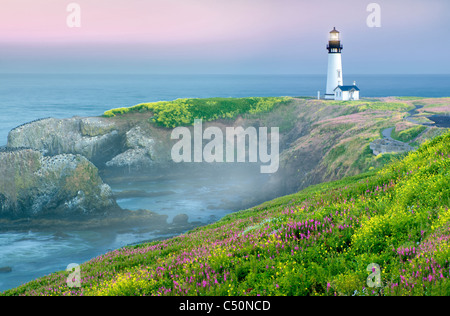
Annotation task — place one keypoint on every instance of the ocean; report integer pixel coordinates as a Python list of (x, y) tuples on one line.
[(24, 98)]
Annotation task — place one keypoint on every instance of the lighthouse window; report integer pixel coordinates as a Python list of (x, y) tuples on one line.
[(339, 73)]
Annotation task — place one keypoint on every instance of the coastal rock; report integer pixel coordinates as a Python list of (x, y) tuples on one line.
[(105, 142), (95, 138), (180, 219), (36, 186), (140, 151), (137, 138), (5, 269), (96, 126), (136, 158)]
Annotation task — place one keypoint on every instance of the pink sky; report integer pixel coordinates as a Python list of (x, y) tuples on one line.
[(178, 21), (155, 21), (222, 28)]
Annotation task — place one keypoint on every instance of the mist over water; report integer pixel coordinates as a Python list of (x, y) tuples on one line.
[(203, 197)]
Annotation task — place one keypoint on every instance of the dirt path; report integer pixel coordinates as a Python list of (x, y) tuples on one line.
[(387, 133)]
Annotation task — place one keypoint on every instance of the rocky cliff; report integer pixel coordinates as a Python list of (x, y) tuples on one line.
[(104, 142), (50, 172), (94, 138), (59, 171)]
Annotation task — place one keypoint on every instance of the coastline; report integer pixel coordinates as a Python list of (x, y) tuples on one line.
[(304, 105)]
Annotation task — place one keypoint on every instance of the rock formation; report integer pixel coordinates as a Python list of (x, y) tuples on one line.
[(94, 138), (139, 150), (60, 186)]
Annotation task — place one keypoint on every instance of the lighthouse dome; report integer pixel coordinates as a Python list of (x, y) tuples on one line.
[(334, 35)]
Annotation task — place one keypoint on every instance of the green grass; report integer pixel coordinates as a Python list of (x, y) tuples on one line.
[(364, 105), (408, 134), (183, 112), (318, 241), (387, 106), (410, 98), (283, 116)]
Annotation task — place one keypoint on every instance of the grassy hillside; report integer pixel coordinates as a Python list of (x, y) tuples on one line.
[(320, 241), (408, 133), (183, 111), (320, 140)]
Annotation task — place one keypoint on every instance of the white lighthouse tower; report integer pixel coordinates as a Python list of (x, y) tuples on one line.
[(335, 77)]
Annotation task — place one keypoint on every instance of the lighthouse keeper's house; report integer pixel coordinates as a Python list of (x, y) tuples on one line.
[(346, 93)]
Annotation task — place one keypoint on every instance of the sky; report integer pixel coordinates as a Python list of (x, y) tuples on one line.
[(223, 36)]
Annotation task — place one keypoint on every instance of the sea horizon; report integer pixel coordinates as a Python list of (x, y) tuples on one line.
[(27, 97)]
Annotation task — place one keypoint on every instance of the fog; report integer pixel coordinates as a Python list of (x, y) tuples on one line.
[(203, 193)]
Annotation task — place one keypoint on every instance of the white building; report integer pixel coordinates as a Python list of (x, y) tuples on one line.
[(346, 93)]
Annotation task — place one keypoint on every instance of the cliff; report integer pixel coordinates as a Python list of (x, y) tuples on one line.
[(61, 172)]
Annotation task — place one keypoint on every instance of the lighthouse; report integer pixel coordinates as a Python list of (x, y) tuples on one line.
[(334, 77)]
